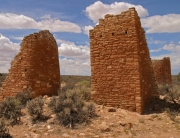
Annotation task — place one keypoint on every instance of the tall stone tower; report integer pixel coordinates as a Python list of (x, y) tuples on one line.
[(162, 70), (35, 66), (121, 68)]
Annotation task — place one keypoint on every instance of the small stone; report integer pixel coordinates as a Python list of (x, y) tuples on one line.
[(48, 127), (177, 118), (65, 135), (27, 135), (36, 136), (111, 124), (45, 96), (43, 125), (104, 128), (82, 134), (106, 117), (34, 125), (50, 131), (53, 115), (121, 123), (46, 134), (128, 125), (33, 130), (101, 107), (51, 121)]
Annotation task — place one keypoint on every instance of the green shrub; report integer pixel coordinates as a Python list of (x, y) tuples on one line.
[(24, 97), (84, 83), (178, 76), (1, 74), (171, 92), (69, 85), (35, 109), (4, 132), (71, 109), (163, 89), (84, 92), (10, 109)]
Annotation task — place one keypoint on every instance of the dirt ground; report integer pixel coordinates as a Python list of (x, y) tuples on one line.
[(110, 123)]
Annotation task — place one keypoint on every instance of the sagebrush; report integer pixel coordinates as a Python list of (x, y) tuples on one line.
[(4, 132), (171, 92), (25, 96), (35, 109), (69, 85), (173, 114), (84, 83), (71, 109), (10, 109)]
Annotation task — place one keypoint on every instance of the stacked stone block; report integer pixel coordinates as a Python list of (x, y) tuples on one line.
[(36, 66), (162, 70), (121, 68)]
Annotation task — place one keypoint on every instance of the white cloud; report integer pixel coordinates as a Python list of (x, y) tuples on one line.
[(174, 56), (75, 67), (86, 29), (14, 21), (156, 50), (76, 59), (59, 41), (73, 51), (162, 24), (170, 47), (152, 41), (99, 9), (8, 50), (17, 38)]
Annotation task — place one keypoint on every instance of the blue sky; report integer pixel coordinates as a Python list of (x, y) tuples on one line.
[(70, 20)]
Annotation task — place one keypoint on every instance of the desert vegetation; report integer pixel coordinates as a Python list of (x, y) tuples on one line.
[(72, 106), (178, 76), (73, 111), (170, 99)]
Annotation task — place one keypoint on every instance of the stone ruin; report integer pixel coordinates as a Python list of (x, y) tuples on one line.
[(36, 66), (121, 70), (162, 70)]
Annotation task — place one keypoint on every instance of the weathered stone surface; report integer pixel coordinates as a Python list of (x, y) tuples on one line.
[(35, 66), (162, 70), (121, 68)]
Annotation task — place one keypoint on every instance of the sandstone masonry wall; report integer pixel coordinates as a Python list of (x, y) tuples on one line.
[(162, 70), (121, 68), (35, 66)]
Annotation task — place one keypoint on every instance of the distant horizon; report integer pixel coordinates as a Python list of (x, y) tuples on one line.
[(69, 22)]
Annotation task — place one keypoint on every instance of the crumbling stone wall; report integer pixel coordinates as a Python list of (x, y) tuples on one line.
[(121, 68), (35, 66), (162, 70)]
